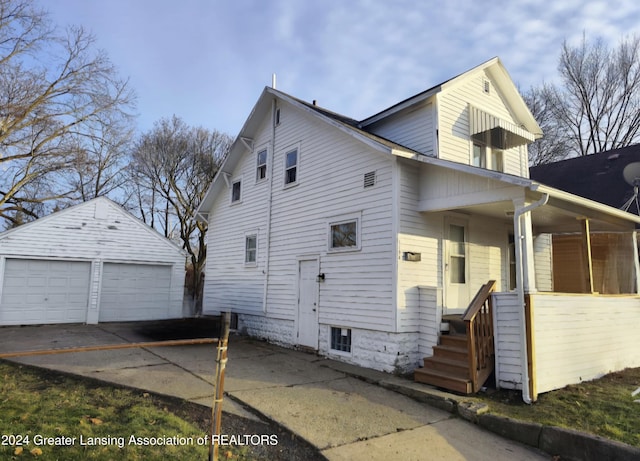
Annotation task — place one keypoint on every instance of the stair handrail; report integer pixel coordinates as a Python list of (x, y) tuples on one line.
[(480, 335)]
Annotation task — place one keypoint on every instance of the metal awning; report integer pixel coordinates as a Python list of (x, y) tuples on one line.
[(497, 132)]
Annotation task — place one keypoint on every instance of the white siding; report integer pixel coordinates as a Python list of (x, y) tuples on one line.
[(418, 233), (413, 128), (358, 286), (583, 337), (453, 129), (76, 234), (507, 321)]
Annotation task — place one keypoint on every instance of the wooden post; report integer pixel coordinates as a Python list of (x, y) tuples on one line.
[(531, 347), (216, 411), (586, 233)]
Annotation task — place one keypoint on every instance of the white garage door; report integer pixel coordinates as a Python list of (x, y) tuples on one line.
[(134, 292), (40, 292)]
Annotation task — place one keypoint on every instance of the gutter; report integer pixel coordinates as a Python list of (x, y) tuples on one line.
[(269, 205), (519, 238)]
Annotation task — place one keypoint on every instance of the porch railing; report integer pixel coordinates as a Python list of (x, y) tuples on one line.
[(478, 319)]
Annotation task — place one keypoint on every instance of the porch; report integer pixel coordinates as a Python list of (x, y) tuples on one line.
[(568, 304)]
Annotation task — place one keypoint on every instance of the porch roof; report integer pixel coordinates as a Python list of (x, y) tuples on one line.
[(452, 186)]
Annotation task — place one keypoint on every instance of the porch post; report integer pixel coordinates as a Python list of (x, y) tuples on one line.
[(586, 244), (524, 248), (636, 262)]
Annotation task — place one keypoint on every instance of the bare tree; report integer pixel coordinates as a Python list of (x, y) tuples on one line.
[(55, 89), (554, 145), (596, 107), (172, 168)]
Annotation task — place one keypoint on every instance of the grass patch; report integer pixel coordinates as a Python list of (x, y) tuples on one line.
[(97, 421), (602, 407)]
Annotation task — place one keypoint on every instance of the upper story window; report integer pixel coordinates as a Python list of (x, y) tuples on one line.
[(261, 167), (291, 167), (479, 155), (236, 191), (485, 157)]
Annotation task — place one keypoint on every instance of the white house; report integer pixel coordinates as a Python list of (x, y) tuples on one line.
[(93, 262), (355, 238)]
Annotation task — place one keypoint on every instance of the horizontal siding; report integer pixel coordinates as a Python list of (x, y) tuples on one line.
[(583, 337), (507, 313), (357, 290), (413, 128), (454, 128)]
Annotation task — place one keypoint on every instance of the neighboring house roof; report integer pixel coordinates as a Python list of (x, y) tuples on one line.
[(90, 203), (598, 177)]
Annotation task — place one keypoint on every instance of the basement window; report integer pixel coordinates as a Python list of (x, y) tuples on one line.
[(341, 339)]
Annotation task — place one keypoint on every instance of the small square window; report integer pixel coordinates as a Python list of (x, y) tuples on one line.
[(250, 249), (261, 171), (344, 235), (236, 191), (291, 167), (341, 339)]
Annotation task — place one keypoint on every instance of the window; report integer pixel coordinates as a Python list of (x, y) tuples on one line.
[(236, 191), (261, 171), (479, 157), (497, 160), (291, 167), (457, 254), (250, 249), (343, 235), (341, 339)]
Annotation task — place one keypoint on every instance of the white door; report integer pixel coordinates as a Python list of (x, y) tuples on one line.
[(308, 303), (38, 291), (134, 292), (456, 266)]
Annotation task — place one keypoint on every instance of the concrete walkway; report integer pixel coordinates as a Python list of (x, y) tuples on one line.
[(336, 407)]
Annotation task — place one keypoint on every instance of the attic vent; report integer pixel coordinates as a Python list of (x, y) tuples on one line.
[(486, 86), (370, 179)]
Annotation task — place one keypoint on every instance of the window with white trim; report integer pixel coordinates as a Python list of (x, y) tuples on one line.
[(250, 249), (344, 235), (479, 155), (291, 167), (261, 165), (236, 191)]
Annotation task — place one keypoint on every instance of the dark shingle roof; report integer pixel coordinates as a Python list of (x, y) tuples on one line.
[(597, 177)]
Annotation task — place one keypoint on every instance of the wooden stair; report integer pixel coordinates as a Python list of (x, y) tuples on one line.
[(465, 357), (449, 366)]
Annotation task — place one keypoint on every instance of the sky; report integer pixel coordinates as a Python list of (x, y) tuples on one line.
[(207, 61)]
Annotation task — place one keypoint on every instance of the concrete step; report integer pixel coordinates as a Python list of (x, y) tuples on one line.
[(444, 380)]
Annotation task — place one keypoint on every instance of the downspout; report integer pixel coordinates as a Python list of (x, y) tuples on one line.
[(269, 205), (518, 237)]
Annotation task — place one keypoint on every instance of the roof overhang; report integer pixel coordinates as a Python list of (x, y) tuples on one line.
[(496, 195), (497, 132)]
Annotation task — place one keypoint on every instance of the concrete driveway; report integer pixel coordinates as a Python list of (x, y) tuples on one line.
[(320, 400)]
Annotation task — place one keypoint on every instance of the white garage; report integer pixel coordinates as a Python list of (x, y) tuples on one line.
[(90, 263)]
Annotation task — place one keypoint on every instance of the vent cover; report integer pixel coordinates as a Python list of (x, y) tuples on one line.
[(370, 179)]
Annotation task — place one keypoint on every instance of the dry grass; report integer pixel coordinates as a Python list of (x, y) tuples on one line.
[(603, 407)]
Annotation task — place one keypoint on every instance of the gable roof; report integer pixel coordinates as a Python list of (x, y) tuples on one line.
[(597, 177), (501, 77), (92, 203), (356, 128)]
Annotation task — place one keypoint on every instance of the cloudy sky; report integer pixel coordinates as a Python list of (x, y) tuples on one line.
[(208, 60)]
